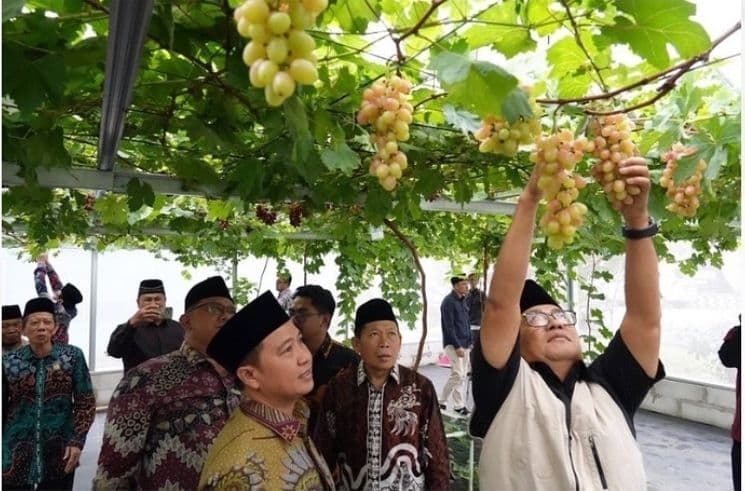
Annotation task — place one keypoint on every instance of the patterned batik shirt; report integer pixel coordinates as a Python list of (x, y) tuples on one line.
[(162, 420), (48, 405), (262, 448), (63, 314), (383, 439)]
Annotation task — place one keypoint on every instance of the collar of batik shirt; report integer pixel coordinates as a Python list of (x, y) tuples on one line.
[(286, 427), (362, 374)]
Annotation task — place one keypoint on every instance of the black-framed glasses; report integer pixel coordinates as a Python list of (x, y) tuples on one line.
[(541, 319), (301, 315), (216, 308)]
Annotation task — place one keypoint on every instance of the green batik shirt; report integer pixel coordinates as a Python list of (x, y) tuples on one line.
[(49, 405)]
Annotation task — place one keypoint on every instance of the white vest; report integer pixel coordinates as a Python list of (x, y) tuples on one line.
[(529, 447)]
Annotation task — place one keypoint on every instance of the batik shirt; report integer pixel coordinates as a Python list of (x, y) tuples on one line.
[(162, 420), (48, 404), (262, 448), (387, 439), (64, 314)]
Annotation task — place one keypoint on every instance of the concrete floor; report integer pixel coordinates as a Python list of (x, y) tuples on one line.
[(678, 455)]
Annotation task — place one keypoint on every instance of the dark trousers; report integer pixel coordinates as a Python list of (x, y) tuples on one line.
[(736, 465), (64, 484)]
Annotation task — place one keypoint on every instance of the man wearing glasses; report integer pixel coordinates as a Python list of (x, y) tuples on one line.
[(549, 421), (148, 333), (312, 310), (166, 412)]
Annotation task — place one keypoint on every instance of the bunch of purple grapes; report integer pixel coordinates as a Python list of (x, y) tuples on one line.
[(265, 215)]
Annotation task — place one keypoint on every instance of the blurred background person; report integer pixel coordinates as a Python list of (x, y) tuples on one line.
[(149, 332), (12, 325)]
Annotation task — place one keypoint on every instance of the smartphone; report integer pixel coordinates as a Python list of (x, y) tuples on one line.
[(167, 313)]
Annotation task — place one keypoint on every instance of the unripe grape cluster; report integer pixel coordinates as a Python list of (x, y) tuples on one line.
[(280, 53), (557, 155), (684, 196), (386, 107), (612, 139), (496, 135)]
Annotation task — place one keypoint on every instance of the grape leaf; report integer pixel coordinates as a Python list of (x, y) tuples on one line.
[(655, 24), (569, 67), (478, 86), (297, 123), (516, 105), (340, 158), (502, 31), (463, 120)]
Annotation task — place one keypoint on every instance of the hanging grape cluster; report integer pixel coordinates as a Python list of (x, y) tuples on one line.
[(613, 145), (280, 52), (496, 135), (386, 108), (557, 155), (684, 196), (266, 215)]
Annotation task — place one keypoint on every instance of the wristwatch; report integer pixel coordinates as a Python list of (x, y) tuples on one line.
[(641, 233)]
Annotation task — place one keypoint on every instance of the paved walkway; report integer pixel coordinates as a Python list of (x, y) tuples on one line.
[(678, 455)]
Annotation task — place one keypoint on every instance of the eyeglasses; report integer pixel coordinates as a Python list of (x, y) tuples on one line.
[(541, 319), (216, 308), (301, 315)]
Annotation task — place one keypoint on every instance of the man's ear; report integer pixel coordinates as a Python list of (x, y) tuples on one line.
[(247, 375), (185, 321), (356, 344)]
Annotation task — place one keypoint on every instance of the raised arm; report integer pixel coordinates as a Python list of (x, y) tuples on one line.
[(640, 327), (501, 321)]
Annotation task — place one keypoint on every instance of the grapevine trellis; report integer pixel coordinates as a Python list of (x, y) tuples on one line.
[(265, 167)]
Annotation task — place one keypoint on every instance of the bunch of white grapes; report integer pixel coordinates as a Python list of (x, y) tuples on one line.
[(386, 107), (556, 156), (496, 135), (280, 53), (684, 196), (613, 145)]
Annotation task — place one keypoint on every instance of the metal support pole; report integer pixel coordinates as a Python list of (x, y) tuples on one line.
[(93, 300), (235, 274)]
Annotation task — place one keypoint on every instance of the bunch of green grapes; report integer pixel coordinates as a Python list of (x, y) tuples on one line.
[(496, 135), (280, 53), (557, 155), (684, 196), (613, 145), (386, 107)]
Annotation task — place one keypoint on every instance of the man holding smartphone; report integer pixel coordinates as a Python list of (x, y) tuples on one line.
[(149, 332)]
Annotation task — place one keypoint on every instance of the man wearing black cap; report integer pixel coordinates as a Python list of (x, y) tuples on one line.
[(66, 297), (457, 342), (380, 425), (165, 413), (48, 406), (147, 333), (12, 324), (311, 311), (548, 421), (265, 445)]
